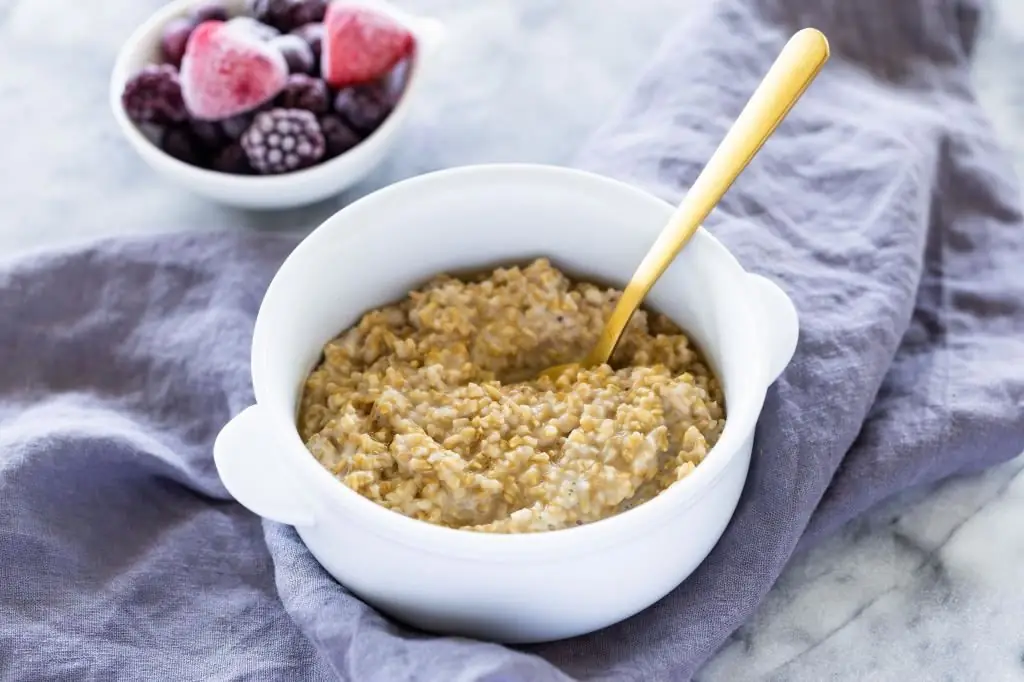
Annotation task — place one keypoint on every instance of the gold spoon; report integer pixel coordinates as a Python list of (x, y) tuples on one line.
[(794, 69)]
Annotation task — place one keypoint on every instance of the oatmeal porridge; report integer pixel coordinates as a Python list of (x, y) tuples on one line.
[(431, 406)]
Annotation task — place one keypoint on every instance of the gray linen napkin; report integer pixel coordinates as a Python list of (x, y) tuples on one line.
[(883, 205)]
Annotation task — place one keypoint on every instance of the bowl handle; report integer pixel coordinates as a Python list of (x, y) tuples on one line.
[(244, 453), (778, 322)]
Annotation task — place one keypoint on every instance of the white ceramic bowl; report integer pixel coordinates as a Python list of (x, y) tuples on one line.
[(277, 191), (512, 588)]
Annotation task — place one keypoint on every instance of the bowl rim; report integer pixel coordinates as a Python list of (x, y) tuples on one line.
[(145, 38), (296, 461)]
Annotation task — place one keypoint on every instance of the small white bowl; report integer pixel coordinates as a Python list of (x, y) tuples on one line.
[(511, 588), (274, 191)]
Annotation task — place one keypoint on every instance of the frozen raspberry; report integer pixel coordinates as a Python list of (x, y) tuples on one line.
[(257, 29), (313, 34), (226, 72), (153, 95), (364, 107), (174, 39), (305, 92), (232, 159), (209, 11), (338, 136), (182, 145), (296, 51), (361, 45), (283, 140)]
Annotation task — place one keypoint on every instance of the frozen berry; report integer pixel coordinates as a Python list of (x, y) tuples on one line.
[(174, 39), (209, 11), (153, 95), (313, 34), (236, 125), (361, 45), (307, 12), (232, 159), (396, 80), (209, 133), (297, 53), (283, 140), (276, 13), (338, 136), (182, 145), (305, 92), (257, 29), (227, 72), (364, 107)]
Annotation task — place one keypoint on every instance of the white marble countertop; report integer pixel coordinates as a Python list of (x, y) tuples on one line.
[(927, 588)]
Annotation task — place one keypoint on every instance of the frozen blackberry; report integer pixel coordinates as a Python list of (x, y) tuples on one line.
[(182, 145), (296, 51), (364, 107), (305, 92), (153, 95), (338, 136), (283, 140), (313, 34), (209, 11), (232, 159)]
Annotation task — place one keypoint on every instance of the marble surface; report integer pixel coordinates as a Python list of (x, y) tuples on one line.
[(927, 588)]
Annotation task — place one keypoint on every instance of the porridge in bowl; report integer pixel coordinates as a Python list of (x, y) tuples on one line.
[(432, 407)]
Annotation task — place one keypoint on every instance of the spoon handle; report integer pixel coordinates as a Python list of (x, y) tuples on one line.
[(794, 69)]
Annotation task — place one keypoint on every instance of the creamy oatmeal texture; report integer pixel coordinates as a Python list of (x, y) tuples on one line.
[(420, 406)]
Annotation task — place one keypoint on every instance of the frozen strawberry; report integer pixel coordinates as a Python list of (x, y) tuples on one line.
[(255, 28), (227, 71), (361, 45)]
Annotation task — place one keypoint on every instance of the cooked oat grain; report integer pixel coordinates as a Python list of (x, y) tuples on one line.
[(419, 407)]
